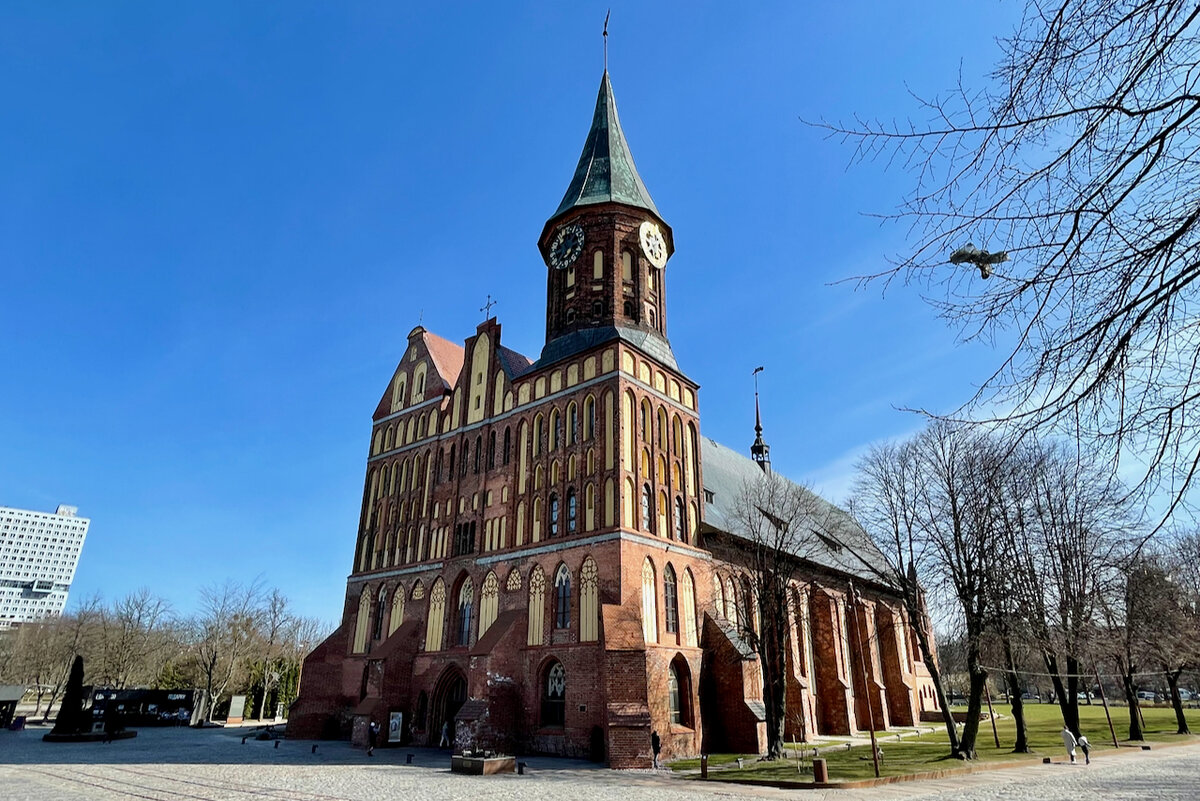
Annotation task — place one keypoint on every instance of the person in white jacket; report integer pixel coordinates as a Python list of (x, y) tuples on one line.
[(1069, 742)]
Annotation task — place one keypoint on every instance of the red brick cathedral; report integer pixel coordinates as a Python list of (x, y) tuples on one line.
[(548, 558)]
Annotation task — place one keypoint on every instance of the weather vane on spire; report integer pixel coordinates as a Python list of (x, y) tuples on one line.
[(606, 16), (760, 451)]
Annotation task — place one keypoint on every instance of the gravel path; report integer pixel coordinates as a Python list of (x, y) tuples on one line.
[(214, 765)]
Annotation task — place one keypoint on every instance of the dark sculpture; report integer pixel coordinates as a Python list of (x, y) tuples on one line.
[(71, 719)]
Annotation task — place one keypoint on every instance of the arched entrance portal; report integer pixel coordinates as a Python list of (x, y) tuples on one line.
[(448, 697)]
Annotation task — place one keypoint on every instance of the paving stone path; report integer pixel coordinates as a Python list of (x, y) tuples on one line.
[(214, 765)]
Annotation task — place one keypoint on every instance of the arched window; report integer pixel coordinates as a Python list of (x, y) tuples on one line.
[(537, 435), (572, 423), (649, 603), (687, 592), (647, 507), (674, 699), (360, 622), (680, 521), (507, 444), (571, 511), (465, 604), (670, 600), (562, 598), (646, 418), (553, 432), (380, 607), (628, 308), (718, 595), (437, 466), (478, 449), (450, 464), (589, 417), (679, 692), (553, 515), (554, 695), (491, 463), (662, 430)]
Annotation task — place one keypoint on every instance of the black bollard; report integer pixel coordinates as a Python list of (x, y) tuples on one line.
[(704, 766), (314, 750), (277, 744), (408, 760), (243, 739), (520, 768)]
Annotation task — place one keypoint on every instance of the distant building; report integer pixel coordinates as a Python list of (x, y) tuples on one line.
[(38, 555)]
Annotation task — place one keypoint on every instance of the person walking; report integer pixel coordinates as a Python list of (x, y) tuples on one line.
[(445, 741), (1086, 748), (655, 745), (1069, 742), (372, 737)]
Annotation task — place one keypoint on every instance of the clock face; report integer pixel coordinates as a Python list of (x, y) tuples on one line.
[(566, 246), (653, 244)]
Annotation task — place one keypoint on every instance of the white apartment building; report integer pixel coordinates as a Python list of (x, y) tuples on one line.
[(38, 555)]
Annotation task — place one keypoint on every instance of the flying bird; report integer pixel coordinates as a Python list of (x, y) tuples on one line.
[(969, 254)]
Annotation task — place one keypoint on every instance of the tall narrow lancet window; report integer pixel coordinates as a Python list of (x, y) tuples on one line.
[(647, 507), (572, 423), (553, 432), (562, 598), (670, 600), (491, 459), (680, 521), (465, 608), (380, 608), (589, 418), (553, 515), (507, 445), (554, 696), (649, 603), (571, 511), (674, 698)]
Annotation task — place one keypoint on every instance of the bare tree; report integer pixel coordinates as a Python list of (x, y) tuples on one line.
[(778, 520), (132, 639), (949, 509), (885, 492), (1079, 160), (223, 634)]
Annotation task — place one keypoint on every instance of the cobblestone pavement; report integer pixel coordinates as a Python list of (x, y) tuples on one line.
[(214, 765)]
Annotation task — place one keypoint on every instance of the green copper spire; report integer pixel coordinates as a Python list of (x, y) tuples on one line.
[(606, 173)]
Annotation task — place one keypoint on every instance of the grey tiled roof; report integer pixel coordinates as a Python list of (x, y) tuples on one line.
[(653, 345), (605, 173), (726, 473)]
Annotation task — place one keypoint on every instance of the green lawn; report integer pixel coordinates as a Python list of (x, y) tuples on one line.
[(928, 752)]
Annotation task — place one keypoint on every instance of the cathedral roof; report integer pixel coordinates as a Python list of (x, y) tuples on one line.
[(606, 173), (837, 542), (447, 357)]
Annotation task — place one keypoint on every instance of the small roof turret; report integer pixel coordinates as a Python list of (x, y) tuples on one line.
[(606, 173)]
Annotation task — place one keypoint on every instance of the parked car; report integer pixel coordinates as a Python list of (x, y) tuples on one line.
[(1146, 695), (1187, 695), (1028, 696)]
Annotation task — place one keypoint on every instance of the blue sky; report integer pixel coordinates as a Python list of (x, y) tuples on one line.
[(219, 221)]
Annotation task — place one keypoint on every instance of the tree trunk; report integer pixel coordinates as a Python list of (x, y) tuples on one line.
[(773, 658), (1060, 690), (1018, 704), (1176, 700), (978, 676), (935, 676), (1135, 723), (1071, 707)]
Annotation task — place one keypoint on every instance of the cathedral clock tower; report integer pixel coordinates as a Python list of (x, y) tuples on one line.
[(606, 246)]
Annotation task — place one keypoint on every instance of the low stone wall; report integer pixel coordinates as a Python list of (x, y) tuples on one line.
[(480, 766)]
